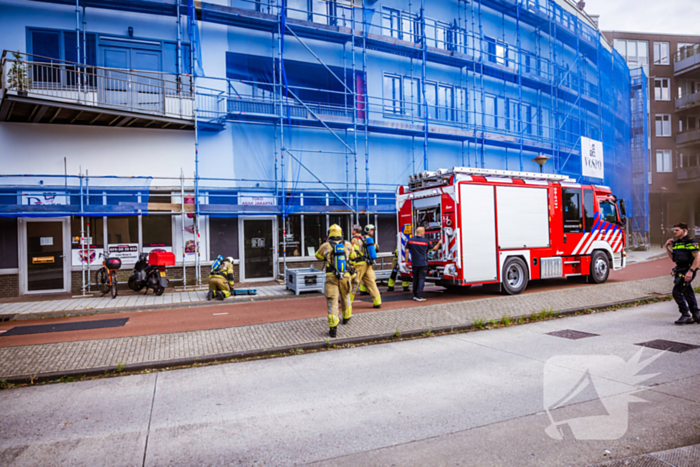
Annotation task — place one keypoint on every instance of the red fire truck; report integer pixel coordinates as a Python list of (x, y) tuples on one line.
[(507, 228)]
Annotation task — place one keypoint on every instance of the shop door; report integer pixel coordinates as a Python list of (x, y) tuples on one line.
[(258, 249), (45, 257)]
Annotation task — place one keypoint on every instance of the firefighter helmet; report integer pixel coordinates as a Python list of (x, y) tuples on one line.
[(335, 231)]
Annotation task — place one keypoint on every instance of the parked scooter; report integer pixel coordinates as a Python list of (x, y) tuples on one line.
[(148, 276)]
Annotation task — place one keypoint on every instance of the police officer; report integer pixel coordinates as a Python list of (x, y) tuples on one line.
[(395, 272), (418, 247), (363, 265), (685, 252), (338, 254), (221, 282)]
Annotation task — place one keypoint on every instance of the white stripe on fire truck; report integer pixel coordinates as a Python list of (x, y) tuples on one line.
[(580, 243)]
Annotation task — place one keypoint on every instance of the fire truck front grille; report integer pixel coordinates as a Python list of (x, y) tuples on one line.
[(550, 267)]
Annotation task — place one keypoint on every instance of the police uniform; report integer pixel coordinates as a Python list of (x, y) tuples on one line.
[(221, 281), (395, 272), (683, 292), (337, 287), (365, 272)]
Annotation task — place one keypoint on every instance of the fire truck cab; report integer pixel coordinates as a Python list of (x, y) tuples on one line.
[(508, 228)]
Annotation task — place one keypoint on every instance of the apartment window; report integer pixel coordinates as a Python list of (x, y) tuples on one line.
[(661, 53), (490, 111), (664, 161), (445, 102), (663, 125), (496, 51), (635, 53), (392, 94), (431, 99), (461, 105), (662, 89), (411, 96), (436, 33), (687, 160), (391, 23)]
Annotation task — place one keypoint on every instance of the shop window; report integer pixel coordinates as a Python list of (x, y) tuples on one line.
[(93, 229), (293, 232), (344, 221), (8, 243), (571, 198), (386, 233), (122, 229), (315, 233), (157, 229), (223, 237)]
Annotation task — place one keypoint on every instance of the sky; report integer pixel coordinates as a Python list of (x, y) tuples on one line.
[(660, 16)]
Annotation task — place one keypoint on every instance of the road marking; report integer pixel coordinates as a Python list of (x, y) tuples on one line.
[(219, 314), (3, 331)]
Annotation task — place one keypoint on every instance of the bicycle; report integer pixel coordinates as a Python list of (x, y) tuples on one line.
[(106, 277)]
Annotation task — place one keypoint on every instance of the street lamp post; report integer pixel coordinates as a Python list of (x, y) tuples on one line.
[(541, 160)]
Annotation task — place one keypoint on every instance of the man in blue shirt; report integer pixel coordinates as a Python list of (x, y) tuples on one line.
[(418, 247)]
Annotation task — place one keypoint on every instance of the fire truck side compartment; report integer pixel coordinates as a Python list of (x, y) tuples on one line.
[(478, 228), (523, 217)]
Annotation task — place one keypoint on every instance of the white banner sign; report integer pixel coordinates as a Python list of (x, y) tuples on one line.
[(257, 199), (87, 255), (43, 198), (127, 252), (592, 158)]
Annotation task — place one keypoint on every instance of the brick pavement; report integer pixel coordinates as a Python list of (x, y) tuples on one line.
[(32, 360)]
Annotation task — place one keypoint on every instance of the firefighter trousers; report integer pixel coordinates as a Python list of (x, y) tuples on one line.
[(365, 276), (219, 283), (338, 289), (392, 278)]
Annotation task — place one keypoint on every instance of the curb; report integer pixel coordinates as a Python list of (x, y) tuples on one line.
[(228, 357)]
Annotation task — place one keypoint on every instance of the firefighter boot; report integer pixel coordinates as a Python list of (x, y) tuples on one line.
[(210, 295), (333, 323), (347, 314), (696, 316), (391, 284), (377, 302), (220, 295), (685, 319)]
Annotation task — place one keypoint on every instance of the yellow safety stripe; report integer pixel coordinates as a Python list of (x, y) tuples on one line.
[(689, 246)]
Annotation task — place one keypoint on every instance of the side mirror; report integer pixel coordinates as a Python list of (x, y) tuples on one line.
[(623, 209)]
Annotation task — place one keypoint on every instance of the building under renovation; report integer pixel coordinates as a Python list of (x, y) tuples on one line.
[(247, 127)]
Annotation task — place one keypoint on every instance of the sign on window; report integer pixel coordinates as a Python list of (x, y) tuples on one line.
[(592, 158)]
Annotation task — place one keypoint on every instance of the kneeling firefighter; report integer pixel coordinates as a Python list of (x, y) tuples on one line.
[(221, 277), (366, 251), (339, 256), (395, 272)]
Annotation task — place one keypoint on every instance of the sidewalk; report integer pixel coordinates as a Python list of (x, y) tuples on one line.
[(183, 348), (75, 306)]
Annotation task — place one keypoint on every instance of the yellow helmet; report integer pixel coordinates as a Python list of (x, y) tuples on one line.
[(335, 231)]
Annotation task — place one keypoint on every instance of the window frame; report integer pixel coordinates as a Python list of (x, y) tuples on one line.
[(659, 96), (392, 106), (663, 127), (664, 161), (659, 59)]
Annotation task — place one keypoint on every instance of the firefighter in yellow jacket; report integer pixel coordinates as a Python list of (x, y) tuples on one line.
[(394, 273), (363, 266), (339, 256), (221, 282)]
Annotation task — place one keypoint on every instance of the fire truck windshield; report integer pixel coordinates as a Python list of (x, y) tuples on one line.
[(608, 212)]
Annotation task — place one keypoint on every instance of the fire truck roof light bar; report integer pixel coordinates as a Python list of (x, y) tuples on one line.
[(506, 173)]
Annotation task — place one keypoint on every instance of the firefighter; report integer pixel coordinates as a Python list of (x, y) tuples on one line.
[(395, 272), (339, 256), (363, 264), (685, 252), (221, 283)]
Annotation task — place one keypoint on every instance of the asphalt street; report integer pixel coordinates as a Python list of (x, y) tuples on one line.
[(476, 398)]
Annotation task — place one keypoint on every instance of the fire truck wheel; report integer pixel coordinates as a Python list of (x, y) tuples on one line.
[(515, 276), (600, 267)]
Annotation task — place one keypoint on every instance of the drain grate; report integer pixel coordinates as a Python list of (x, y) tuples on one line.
[(75, 326), (661, 344), (571, 334)]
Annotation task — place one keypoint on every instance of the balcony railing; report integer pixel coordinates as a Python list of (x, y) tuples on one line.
[(688, 101), (688, 137), (686, 59), (147, 92), (688, 174)]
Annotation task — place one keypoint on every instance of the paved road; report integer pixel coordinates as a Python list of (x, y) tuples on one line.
[(463, 399), (151, 322)]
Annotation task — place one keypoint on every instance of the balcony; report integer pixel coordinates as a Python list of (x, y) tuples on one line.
[(688, 138), (688, 174), (43, 90), (686, 62), (687, 102)]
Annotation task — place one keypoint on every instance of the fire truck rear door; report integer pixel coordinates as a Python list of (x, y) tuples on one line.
[(478, 228)]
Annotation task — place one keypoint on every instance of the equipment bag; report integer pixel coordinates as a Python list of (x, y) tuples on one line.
[(339, 259), (371, 249)]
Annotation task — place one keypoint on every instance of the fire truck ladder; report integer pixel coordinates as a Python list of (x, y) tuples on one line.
[(506, 174)]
